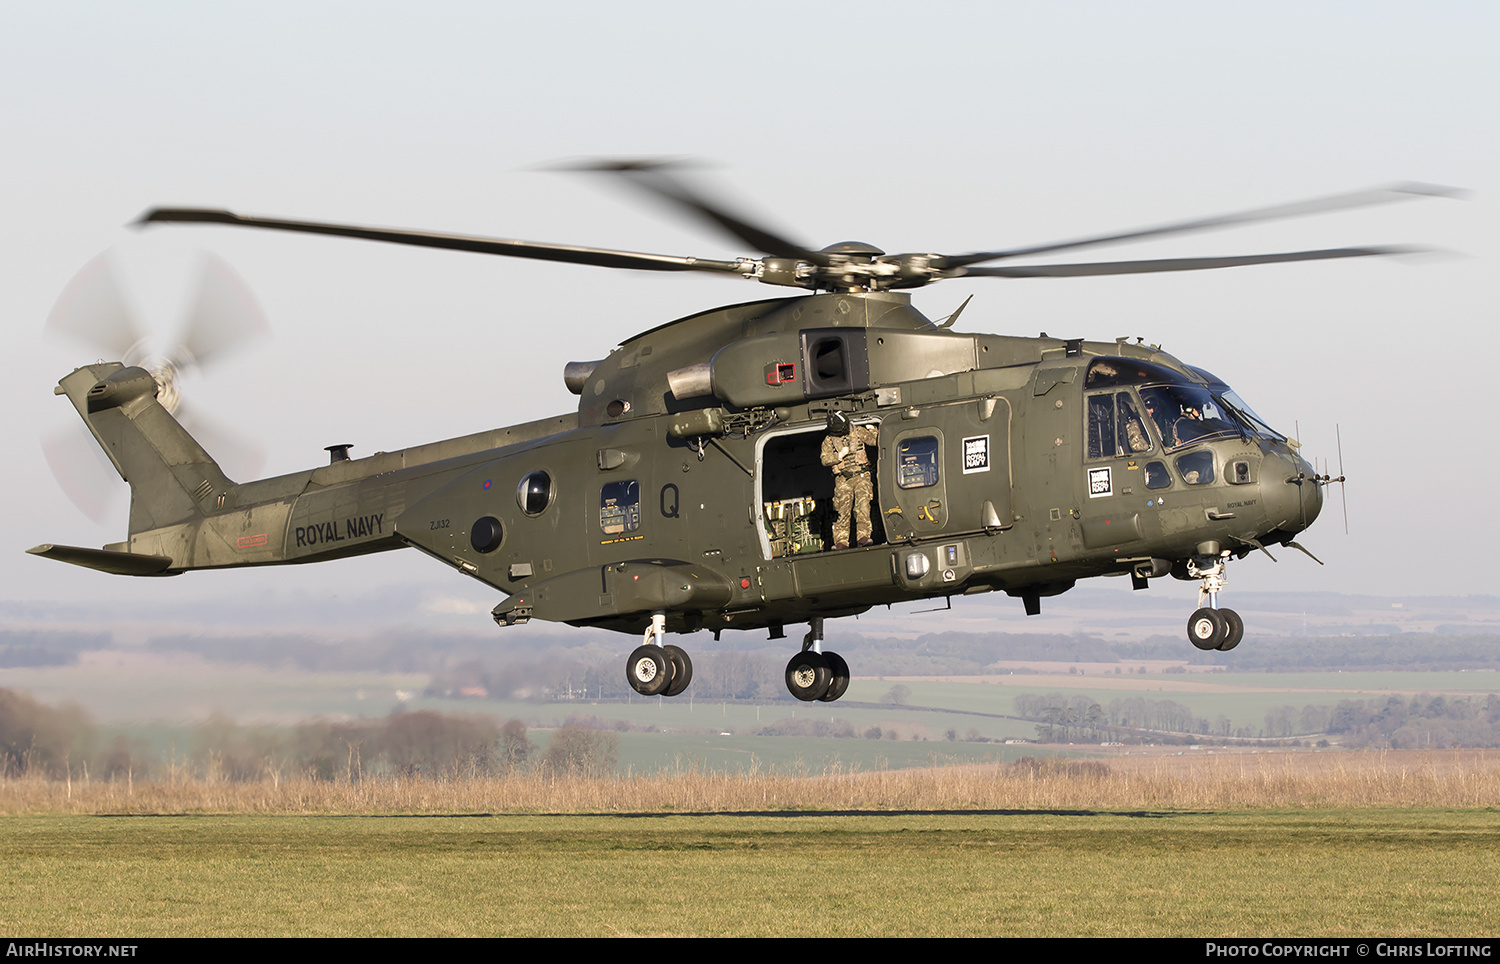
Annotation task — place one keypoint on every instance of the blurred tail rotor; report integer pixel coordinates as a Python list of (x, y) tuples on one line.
[(222, 319), (93, 311)]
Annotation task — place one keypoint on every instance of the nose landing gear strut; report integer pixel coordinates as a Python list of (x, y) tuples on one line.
[(1211, 627)]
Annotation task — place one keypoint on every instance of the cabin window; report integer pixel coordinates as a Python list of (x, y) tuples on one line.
[(620, 507), (1157, 476), (917, 462), (534, 493)]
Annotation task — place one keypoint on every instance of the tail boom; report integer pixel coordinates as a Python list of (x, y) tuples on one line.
[(185, 514)]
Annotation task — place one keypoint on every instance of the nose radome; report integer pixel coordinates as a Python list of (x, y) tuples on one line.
[(1291, 497)]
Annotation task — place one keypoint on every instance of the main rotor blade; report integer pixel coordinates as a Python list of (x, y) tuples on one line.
[(536, 250), (1337, 202), (651, 177), (1170, 264)]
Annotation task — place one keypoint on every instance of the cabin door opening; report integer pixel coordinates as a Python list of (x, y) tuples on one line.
[(796, 494)]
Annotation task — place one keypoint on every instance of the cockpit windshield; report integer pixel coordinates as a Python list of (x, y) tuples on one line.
[(1185, 414), (1183, 411), (1237, 405), (1257, 424)]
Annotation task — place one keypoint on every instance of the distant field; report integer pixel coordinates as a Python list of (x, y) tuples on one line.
[(1334, 872), (160, 704)]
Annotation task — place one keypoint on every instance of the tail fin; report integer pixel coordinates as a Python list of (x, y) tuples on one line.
[(172, 479)]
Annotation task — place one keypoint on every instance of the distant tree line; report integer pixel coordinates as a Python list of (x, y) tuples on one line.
[(1422, 721), (39, 740), (42, 739), (1395, 722), (536, 667), (1065, 719)]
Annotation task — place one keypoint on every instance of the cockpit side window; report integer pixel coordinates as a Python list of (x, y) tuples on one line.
[(1134, 439), (1197, 468), (1101, 426), (1115, 427)]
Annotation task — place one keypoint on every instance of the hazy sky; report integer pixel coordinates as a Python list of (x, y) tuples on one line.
[(935, 126)]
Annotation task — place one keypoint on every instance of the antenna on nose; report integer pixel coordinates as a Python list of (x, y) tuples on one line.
[(1344, 499), (1326, 479)]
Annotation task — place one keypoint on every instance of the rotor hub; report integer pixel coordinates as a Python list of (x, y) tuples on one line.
[(854, 250), (165, 371)]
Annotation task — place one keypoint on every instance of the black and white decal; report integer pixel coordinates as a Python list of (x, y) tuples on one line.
[(1101, 482)]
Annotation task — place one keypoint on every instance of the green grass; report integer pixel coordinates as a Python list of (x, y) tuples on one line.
[(1345, 872)]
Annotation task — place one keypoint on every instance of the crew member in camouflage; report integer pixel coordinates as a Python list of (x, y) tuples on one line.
[(844, 453)]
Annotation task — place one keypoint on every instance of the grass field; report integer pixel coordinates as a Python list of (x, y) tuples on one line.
[(710, 829), (1250, 844), (1386, 872)]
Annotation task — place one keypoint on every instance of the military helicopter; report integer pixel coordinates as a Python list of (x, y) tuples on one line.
[(692, 489)]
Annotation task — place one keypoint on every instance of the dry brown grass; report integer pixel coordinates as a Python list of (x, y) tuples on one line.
[(1449, 779)]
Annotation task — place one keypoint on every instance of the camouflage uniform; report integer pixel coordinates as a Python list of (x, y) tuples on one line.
[(852, 489)]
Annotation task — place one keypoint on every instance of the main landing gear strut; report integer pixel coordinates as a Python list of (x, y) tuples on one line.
[(813, 674), (655, 669), (1211, 627)]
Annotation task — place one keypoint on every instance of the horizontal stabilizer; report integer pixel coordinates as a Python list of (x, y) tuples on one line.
[(106, 560)]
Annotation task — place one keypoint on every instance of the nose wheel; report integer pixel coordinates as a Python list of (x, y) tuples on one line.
[(813, 675), (1210, 627), (1220, 629)]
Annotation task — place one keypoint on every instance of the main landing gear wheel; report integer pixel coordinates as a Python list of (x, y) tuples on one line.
[(1207, 629), (682, 669), (808, 676), (649, 670), (1234, 629), (838, 682)]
